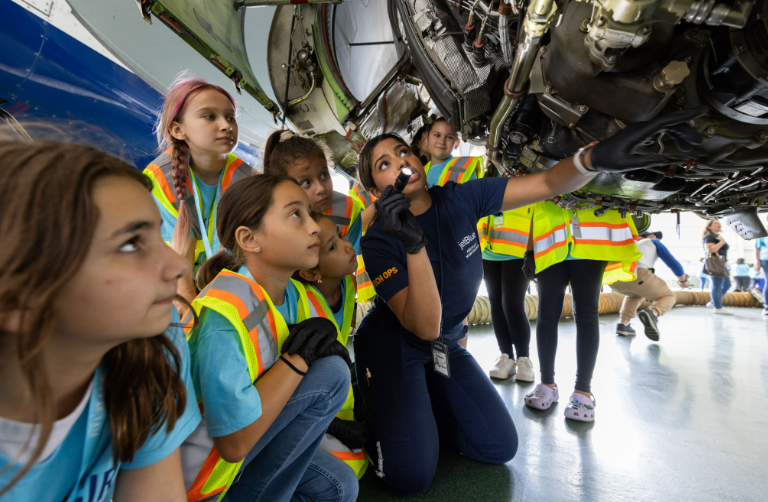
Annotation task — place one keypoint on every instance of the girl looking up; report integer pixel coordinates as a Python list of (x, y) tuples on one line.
[(331, 289), (261, 357), (95, 392), (197, 132), (288, 154)]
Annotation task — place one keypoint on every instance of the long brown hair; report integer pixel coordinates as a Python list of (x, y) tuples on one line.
[(47, 220), (708, 228), (243, 205), (181, 92)]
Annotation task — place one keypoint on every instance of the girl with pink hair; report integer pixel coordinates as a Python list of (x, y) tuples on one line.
[(197, 132)]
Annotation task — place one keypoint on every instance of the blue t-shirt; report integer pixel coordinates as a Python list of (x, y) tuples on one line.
[(81, 468), (208, 194), (741, 270), (355, 233), (434, 172), (459, 207), (762, 245), (220, 371)]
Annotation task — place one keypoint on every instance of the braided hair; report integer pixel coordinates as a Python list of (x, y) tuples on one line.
[(181, 92)]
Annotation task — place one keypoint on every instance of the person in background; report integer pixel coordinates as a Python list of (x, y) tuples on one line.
[(754, 276), (420, 142), (648, 285), (761, 262), (715, 244), (741, 275), (443, 167)]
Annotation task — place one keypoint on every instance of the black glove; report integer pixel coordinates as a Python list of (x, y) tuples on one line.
[(398, 221), (529, 265), (314, 339), (616, 152), (353, 435)]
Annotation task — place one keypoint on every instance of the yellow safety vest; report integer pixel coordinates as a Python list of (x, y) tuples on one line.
[(262, 331), (159, 172), (344, 211), (353, 458), (608, 238), (362, 195), (459, 169), (508, 234)]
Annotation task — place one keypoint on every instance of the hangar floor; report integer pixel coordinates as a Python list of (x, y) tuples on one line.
[(682, 419)]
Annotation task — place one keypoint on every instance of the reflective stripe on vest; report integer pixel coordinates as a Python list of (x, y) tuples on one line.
[(555, 238), (343, 211), (262, 331), (604, 234), (318, 301), (365, 290)]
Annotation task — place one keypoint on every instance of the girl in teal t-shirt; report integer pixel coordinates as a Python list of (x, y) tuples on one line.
[(96, 392)]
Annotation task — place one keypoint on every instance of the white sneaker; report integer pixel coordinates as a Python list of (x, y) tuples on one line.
[(525, 370), (504, 368), (723, 311), (709, 304)]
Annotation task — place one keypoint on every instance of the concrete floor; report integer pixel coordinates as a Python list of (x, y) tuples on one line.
[(682, 419)]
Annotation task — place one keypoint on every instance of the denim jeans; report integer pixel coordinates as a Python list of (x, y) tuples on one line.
[(286, 465), (720, 286), (763, 264)]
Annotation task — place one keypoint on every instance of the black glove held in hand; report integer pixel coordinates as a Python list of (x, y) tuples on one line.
[(398, 221), (353, 435), (616, 153), (310, 339)]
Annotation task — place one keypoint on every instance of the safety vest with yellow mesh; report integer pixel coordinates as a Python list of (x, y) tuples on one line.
[(362, 195), (344, 211), (262, 331), (459, 169), (159, 172), (353, 458), (508, 233), (609, 237)]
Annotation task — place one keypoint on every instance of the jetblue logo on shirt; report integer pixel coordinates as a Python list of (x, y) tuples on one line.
[(469, 244)]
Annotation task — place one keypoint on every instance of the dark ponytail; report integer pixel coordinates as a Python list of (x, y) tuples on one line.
[(243, 205), (285, 148)]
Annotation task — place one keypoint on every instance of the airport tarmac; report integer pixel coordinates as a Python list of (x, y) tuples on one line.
[(682, 419)]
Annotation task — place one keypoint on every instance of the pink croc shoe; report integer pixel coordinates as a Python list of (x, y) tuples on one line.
[(581, 408), (542, 397)]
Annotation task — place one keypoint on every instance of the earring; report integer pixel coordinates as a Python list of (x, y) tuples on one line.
[(256, 249), (319, 281)]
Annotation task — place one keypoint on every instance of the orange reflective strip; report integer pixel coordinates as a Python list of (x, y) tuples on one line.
[(618, 226), (597, 242), (230, 298), (544, 236), (613, 266), (228, 175), (348, 455), (195, 491), (164, 186), (365, 285), (316, 303), (551, 248), (273, 328)]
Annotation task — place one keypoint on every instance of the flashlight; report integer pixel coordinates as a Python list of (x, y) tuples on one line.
[(402, 179)]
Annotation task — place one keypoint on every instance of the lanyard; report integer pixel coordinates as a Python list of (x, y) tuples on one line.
[(440, 257), (209, 246)]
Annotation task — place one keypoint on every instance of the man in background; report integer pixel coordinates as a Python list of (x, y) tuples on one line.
[(647, 285)]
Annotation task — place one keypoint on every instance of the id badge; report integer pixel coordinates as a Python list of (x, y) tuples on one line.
[(498, 221), (440, 359), (576, 227)]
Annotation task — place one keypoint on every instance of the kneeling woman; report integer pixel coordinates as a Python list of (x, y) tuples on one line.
[(423, 256)]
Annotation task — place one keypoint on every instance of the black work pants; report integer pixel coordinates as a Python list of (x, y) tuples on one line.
[(585, 277), (507, 285)]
